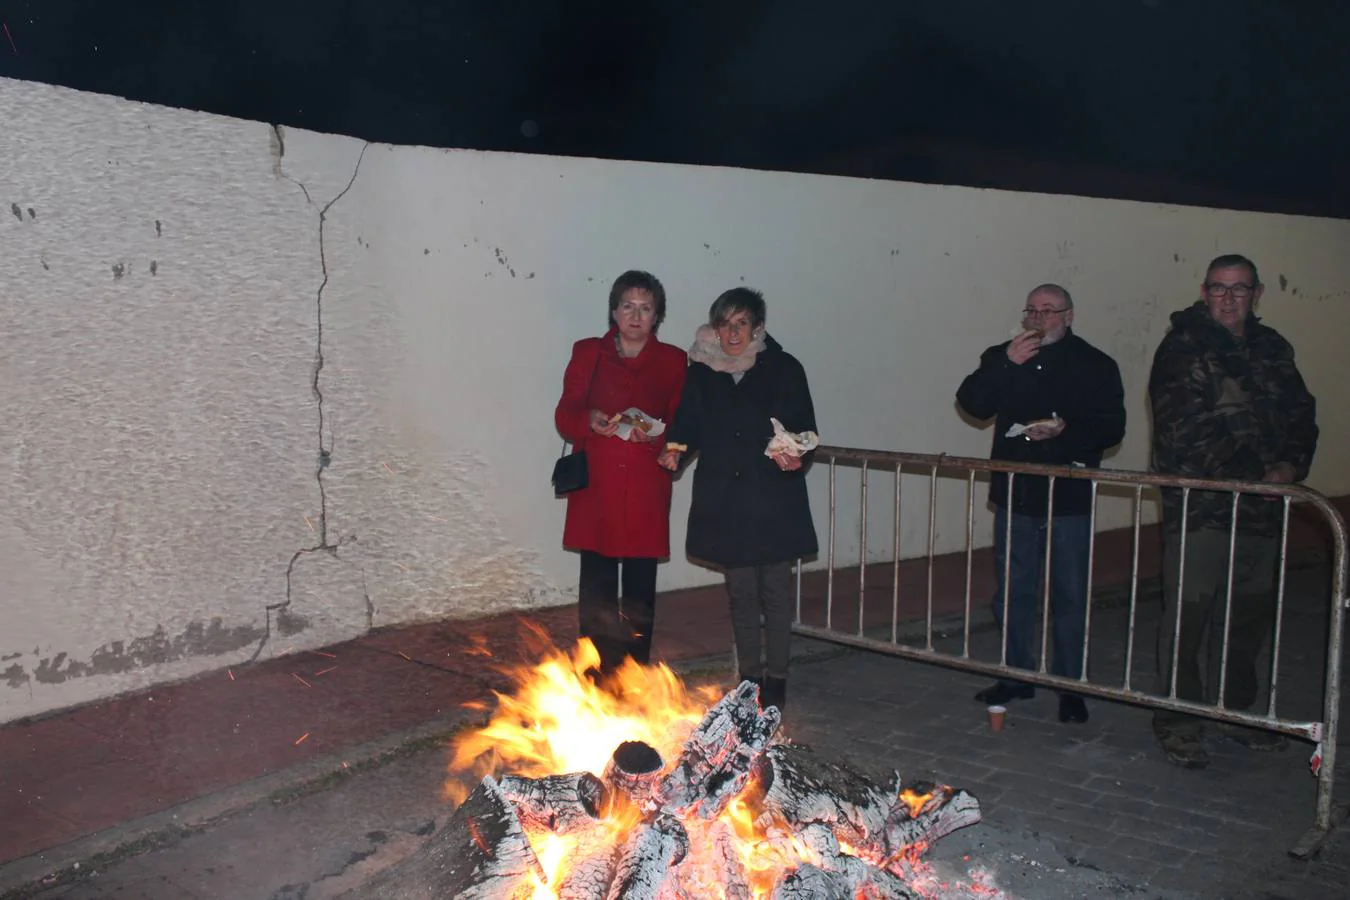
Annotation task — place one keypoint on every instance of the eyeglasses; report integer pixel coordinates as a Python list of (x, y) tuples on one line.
[(1239, 291), (1030, 313)]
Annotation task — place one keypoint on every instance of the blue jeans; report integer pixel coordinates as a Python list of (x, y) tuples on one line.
[(1068, 588)]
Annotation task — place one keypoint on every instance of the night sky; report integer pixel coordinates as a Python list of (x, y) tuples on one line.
[(1231, 102)]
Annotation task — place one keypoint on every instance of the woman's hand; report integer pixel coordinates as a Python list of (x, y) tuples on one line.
[(669, 460), (638, 436), (601, 424), (787, 462)]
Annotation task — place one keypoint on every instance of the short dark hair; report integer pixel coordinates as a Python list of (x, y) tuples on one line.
[(1064, 296), (643, 281), (1233, 261), (738, 299)]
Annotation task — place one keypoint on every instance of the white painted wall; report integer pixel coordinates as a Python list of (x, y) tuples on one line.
[(162, 432)]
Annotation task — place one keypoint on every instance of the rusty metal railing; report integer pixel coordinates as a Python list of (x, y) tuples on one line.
[(869, 634)]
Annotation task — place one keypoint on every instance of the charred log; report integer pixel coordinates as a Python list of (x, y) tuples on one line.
[(808, 882), (558, 803), (717, 758), (794, 786), (647, 859), (713, 868), (634, 774), (925, 813), (482, 852), (590, 874)]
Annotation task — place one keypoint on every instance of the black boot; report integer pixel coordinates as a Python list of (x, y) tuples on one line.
[(774, 693)]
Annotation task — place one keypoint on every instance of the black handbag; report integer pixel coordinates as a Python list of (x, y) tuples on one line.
[(571, 472)]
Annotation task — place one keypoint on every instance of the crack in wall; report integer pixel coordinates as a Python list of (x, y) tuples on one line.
[(325, 449)]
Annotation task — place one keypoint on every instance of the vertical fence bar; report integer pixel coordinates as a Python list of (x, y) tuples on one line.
[(1092, 556), (1049, 567), (1228, 604), (1007, 566), (1279, 608), (932, 542), (862, 548), (1181, 584), (829, 553), (895, 564), (970, 559), (1134, 587)]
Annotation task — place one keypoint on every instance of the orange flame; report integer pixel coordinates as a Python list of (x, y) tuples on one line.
[(915, 801)]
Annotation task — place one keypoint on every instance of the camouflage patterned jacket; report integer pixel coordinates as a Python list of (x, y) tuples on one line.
[(1225, 407)]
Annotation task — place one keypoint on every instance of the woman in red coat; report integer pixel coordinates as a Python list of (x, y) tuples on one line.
[(622, 519)]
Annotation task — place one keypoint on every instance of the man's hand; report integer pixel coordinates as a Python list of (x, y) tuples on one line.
[(669, 460), (787, 462), (1024, 347), (1281, 473), (1042, 431), (601, 424)]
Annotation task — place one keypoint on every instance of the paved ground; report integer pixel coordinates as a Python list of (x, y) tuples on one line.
[(1070, 811)]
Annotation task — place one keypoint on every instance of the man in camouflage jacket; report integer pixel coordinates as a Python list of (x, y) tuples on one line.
[(1228, 402)]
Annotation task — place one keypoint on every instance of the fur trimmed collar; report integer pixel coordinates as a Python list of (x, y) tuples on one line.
[(708, 350)]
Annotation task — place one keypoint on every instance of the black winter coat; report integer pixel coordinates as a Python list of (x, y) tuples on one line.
[(746, 511), (1069, 378)]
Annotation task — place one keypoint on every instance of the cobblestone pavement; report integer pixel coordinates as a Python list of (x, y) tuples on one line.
[(1071, 811)]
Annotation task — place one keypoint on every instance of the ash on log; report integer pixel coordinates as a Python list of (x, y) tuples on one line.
[(798, 788), (647, 859), (717, 758), (794, 786), (925, 813), (634, 772), (714, 869), (481, 853), (558, 803), (592, 869)]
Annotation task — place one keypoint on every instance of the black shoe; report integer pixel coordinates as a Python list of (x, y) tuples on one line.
[(1072, 708), (774, 693), (1000, 693)]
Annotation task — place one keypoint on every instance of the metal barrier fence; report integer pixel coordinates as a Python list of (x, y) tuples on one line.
[(867, 631)]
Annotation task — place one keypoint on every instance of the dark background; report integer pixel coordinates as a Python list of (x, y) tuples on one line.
[(1238, 103)]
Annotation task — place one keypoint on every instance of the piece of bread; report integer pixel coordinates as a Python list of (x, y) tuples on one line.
[(677, 448)]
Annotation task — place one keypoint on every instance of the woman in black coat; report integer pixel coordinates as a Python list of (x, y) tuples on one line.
[(750, 515)]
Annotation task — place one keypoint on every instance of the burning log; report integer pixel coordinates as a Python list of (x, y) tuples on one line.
[(716, 871), (798, 788), (648, 858), (634, 772), (558, 803), (808, 882), (716, 761), (482, 852), (589, 876), (925, 813)]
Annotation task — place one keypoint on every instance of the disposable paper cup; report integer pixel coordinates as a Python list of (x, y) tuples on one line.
[(996, 716)]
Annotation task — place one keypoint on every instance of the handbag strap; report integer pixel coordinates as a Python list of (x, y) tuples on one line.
[(589, 387)]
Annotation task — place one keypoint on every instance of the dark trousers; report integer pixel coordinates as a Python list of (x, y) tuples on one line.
[(1203, 598), (617, 627), (762, 601), (1069, 538)]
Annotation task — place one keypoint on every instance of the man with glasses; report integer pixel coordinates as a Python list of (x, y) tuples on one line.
[(1057, 400), (1228, 402)]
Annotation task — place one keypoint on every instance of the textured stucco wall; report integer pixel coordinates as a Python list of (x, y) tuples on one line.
[(225, 437), (160, 443)]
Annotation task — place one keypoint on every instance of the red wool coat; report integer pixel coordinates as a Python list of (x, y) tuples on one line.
[(626, 509)]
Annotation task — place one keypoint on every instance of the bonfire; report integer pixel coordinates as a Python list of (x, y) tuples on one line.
[(647, 788)]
